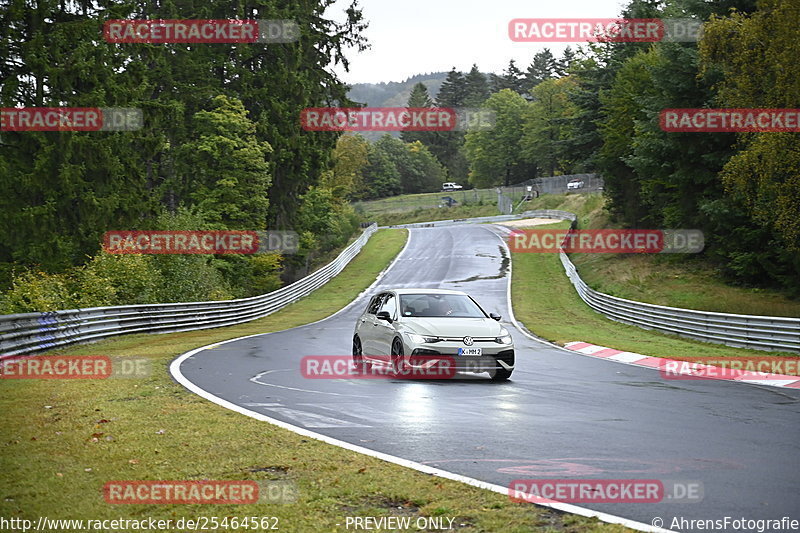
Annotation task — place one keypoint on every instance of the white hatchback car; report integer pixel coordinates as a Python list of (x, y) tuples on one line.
[(406, 328), (576, 183)]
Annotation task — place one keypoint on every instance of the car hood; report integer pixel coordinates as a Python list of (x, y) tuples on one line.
[(453, 327)]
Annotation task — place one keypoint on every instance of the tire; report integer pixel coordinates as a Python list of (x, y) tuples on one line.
[(358, 355), (398, 363), (500, 374)]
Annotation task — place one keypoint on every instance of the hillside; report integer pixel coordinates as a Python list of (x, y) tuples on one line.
[(394, 93)]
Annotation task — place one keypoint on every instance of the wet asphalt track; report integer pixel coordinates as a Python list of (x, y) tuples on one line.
[(561, 416)]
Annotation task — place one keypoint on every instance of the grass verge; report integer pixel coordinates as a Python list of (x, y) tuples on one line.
[(428, 200), (675, 280), (430, 215), (64, 439), (547, 304)]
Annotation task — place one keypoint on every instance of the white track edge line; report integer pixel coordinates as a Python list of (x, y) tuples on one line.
[(175, 371)]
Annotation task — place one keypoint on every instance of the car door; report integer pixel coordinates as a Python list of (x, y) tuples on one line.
[(385, 330), (367, 325)]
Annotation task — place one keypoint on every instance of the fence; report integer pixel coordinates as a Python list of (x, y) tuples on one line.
[(516, 193), (35, 332)]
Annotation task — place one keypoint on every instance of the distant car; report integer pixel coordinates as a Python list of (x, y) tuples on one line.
[(576, 183), (406, 328), (450, 186), (447, 201)]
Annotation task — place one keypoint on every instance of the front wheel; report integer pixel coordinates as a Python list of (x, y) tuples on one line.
[(500, 374), (398, 361)]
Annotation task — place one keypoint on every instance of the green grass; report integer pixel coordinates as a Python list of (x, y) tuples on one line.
[(588, 207), (63, 439), (678, 282), (429, 215), (404, 204), (410, 202), (675, 280), (547, 304), (409, 208)]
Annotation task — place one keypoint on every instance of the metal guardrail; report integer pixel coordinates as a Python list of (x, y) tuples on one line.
[(743, 331), (35, 332)]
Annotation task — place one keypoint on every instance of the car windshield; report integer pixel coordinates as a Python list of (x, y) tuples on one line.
[(439, 305)]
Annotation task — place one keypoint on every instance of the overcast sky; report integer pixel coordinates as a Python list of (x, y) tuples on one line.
[(415, 36)]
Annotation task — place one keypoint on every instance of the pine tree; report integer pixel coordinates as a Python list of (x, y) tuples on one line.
[(477, 88), (229, 166), (64, 189), (512, 78), (543, 67), (419, 98), (563, 64), (453, 90)]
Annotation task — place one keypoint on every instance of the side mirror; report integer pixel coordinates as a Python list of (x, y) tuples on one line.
[(495, 316), (384, 315)]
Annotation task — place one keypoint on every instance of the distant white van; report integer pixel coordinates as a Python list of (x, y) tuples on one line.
[(450, 186)]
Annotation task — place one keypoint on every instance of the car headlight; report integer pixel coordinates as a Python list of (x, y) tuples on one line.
[(422, 339), (504, 337)]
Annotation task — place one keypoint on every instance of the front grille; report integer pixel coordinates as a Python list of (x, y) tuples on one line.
[(474, 339)]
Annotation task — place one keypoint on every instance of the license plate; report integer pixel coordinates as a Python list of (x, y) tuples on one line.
[(470, 351)]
